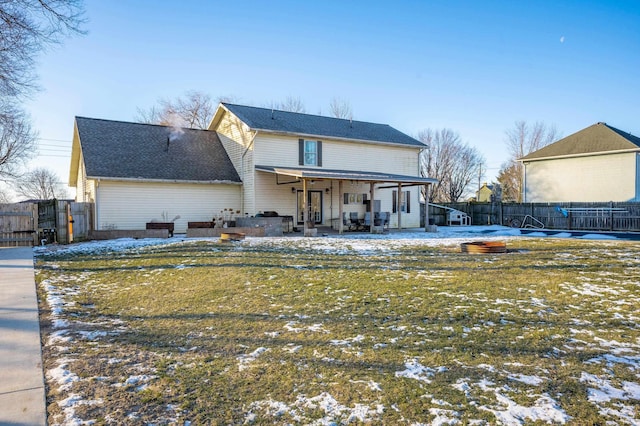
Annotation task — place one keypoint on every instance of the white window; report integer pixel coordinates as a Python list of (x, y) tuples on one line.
[(310, 153)]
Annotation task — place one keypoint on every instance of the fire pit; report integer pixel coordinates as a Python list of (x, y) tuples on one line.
[(484, 247), (231, 236)]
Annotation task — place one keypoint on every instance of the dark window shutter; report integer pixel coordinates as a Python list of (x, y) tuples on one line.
[(301, 152), (407, 196), (394, 201), (346, 198), (364, 198), (319, 153)]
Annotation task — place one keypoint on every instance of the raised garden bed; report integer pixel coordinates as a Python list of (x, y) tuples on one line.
[(161, 225), (200, 225)]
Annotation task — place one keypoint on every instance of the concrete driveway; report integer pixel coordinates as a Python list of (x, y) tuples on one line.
[(22, 393)]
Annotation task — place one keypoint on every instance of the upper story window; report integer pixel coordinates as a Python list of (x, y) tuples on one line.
[(310, 152)]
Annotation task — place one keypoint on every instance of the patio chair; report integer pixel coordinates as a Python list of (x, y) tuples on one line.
[(381, 219), (367, 221), (349, 223), (384, 216), (353, 218)]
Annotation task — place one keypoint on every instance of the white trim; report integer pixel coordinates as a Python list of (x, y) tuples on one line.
[(203, 182), (586, 154)]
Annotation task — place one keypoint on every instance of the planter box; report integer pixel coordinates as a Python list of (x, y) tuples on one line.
[(112, 234), (194, 225), (161, 225)]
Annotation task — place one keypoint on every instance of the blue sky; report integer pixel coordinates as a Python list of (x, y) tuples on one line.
[(472, 66)]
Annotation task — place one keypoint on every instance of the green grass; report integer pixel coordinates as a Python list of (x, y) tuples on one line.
[(342, 324)]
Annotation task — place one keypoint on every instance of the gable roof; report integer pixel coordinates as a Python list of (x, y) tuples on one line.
[(122, 150), (298, 124), (598, 138)]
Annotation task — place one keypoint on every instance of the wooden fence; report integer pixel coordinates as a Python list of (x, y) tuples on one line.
[(59, 221), (610, 216), (18, 224)]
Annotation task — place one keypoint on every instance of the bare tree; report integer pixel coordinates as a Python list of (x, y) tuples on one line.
[(4, 198), (26, 28), (40, 184), (291, 104), (453, 163), (339, 108), (521, 140), (17, 141), (194, 110), (509, 178)]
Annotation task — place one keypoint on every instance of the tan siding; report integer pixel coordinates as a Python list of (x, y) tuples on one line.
[(261, 193), (275, 150), (130, 205), (280, 198), (238, 142), (235, 139), (590, 179)]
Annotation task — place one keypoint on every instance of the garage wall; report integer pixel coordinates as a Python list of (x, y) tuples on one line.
[(130, 205), (590, 179)]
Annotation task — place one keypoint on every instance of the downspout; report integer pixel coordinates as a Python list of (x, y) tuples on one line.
[(524, 182), (244, 153), (97, 216)]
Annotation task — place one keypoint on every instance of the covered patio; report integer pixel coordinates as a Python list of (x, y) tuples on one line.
[(376, 181)]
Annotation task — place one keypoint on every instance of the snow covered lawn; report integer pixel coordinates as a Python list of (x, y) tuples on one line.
[(393, 329)]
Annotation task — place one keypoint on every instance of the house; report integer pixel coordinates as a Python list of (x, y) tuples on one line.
[(251, 161), (139, 173), (485, 193), (597, 164)]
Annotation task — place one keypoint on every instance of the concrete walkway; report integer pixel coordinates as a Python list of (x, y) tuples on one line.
[(22, 394)]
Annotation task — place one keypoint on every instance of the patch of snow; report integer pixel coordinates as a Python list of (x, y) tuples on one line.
[(544, 409), (62, 376), (444, 417), (529, 380), (415, 370), (245, 360)]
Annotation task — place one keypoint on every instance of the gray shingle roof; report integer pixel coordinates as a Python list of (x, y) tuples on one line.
[(597, 138), (117, 149), (278, 121)]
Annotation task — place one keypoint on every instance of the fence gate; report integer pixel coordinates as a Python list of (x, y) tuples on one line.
[(18, 224)]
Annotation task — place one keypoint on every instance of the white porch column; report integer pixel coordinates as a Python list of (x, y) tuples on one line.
[(372, 186), (305, 207), (426, 208), (399, 206), (340, 208)]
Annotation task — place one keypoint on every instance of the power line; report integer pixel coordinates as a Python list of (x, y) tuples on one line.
[(55, 146), (53, 140), (53, 155)]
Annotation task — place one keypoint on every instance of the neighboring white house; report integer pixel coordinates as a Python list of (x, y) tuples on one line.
[(597, 164), (250, 161)]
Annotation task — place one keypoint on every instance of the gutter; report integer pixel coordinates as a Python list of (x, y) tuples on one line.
[(200, 182), (585, 154)]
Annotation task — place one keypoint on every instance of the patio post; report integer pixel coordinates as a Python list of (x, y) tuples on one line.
[(305, 207), (399, 206), (372, 192), (340, 208), (426, 207)]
